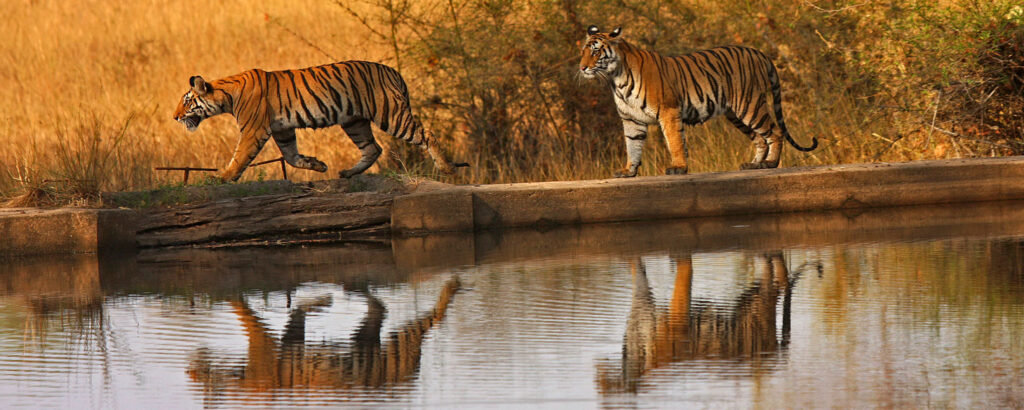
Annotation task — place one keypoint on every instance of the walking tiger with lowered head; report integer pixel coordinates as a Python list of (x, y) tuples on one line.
[(274, 103)]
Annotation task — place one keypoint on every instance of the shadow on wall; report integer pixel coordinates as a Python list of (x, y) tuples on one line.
[(690, 331)]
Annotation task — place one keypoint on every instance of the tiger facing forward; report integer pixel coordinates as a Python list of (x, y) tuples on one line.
[(652, 89), (274, 103)]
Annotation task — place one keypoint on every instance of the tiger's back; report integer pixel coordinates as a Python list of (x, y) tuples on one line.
[(339, 93), (709, 82)]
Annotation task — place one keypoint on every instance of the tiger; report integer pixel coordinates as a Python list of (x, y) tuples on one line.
[(352, 94), (670, 91)]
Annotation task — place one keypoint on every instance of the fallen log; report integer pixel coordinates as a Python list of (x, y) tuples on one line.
[(284, 217), (358, 209)]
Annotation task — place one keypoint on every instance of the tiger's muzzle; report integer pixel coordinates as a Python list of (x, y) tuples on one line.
[(592, 72), (191, 122)]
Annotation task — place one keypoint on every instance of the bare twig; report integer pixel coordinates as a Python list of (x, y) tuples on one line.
[(832, 11), (284, 170), (186, 169), (953, 134), (828, 44), (547, 105), (892, 143), (935, 115), (274, 21), (362, 20), (393, 24)]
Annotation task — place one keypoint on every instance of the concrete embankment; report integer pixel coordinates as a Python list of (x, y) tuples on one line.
[(218, 271), (857, 186), (27, 231), (355, 216)]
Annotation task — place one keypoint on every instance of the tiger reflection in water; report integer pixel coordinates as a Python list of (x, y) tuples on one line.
[(688, 331), (294, 364)]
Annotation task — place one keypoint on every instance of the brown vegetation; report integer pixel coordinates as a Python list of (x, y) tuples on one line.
[(90, 85)]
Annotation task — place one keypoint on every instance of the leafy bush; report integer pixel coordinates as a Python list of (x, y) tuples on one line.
[(874, 80)]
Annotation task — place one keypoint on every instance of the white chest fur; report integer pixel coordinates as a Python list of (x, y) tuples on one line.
[(629, 100), (632, 107)]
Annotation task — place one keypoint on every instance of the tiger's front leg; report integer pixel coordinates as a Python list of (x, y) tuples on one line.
[(249, 144), (636, 135), (285, 140)]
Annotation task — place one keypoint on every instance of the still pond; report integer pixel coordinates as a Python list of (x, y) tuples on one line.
[(919, 307)]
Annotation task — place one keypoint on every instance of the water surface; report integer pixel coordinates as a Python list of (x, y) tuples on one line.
[(908, 307)]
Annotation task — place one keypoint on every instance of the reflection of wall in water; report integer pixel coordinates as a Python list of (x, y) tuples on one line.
[(686, 330)]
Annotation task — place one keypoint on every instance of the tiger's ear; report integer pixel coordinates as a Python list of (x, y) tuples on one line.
[(199, 85), (593, 30), (616, 32)]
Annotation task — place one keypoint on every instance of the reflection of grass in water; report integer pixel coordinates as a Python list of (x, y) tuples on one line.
[(944, 314), (59, 295), (966, 286), (60, 322)]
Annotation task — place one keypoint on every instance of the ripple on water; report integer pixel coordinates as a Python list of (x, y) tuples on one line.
[(934, 322)]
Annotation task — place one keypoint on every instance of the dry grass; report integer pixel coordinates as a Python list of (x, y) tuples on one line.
[(90, 85), (98, 80)]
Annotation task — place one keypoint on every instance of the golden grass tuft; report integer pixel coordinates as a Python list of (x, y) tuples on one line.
[(31, 197)]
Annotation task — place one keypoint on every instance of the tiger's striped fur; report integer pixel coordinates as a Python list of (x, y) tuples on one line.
[(652, 89), (274, 103)]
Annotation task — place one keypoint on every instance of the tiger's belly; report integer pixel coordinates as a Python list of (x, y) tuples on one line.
[(296, 119)]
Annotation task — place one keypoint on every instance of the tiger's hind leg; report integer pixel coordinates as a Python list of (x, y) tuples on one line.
[(675, 138), (774, 141), (362, 135), (404, 125), (758, 126), (442, 163), (289, 150)]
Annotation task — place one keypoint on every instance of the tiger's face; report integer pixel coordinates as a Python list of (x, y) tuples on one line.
[(600, 57), (201, 102)]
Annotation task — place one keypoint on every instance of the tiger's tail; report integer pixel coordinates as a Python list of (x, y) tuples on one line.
[(773, 79)]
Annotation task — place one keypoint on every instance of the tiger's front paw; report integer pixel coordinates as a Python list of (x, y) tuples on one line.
[(760, 165), (226, 177), (675, 171), (214, 180), (310, 163), (625, 173), (316, 165)]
